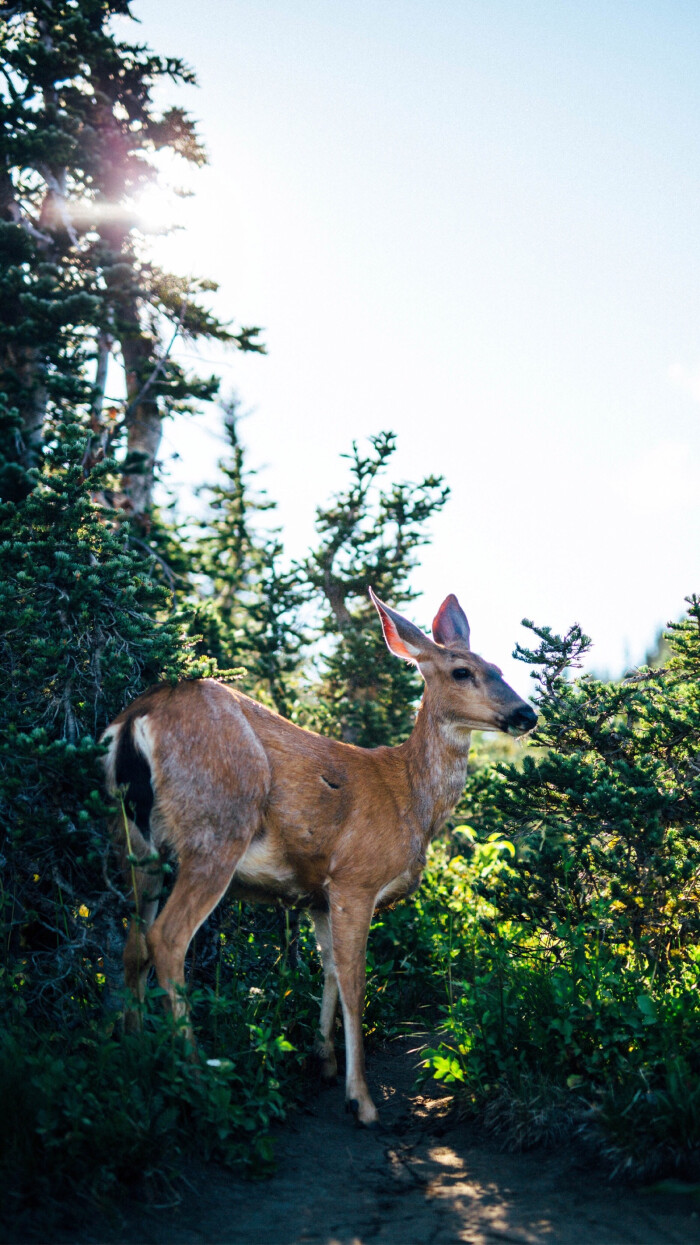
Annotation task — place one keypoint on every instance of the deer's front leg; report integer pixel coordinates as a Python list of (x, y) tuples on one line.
[(351, 913), (323, 1046)]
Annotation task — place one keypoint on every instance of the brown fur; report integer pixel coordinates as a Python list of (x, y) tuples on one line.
[(243, 794)]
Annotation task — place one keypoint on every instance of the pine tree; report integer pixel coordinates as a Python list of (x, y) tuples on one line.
[(247, 613), (281, 639), (370, 536), (81, 133)]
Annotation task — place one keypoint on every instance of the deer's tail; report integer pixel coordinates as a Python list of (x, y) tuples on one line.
[(129, 772)]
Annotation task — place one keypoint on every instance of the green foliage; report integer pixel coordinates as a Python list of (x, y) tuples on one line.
[(85, 625), (79, 141), (249, 601), (91, 1112), (608, 815), (15, 479), (88, 1114), (572, 969)]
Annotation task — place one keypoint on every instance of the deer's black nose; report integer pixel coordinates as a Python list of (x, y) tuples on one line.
[(521, 720)]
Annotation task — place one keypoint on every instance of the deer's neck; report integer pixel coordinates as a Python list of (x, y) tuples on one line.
[(436, 760)]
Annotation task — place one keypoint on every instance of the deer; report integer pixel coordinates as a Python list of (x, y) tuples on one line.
[(244, 798)]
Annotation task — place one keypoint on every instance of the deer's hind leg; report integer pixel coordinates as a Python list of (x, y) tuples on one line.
[(143, 869), (202, 881)]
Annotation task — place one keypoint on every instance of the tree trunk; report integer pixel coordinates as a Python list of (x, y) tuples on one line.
[(143, 422), (22, 366), (24, 371)]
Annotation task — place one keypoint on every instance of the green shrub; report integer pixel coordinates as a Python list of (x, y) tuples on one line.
[(574, 937), (88, 1114)]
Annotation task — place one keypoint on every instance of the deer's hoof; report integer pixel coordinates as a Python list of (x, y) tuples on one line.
[(353, 1106), (325, 1067)]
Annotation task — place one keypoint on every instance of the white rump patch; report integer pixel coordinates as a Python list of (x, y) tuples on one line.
[(142, 736)]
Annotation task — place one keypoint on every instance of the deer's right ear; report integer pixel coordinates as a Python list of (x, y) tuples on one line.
[(402, 638), (450, 623)]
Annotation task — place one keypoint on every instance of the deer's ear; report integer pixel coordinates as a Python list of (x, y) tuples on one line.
[(402, 638), (450, 623)]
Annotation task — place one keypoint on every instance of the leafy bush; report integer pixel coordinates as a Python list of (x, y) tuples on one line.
[(89, 1114), (85, 625), (572, 957)]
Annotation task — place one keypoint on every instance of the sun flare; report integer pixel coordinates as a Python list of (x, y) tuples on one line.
[(158, 209)]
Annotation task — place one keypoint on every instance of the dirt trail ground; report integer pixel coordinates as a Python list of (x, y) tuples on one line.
[(420, 1180)]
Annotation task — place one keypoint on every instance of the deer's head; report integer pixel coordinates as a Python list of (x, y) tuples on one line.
[(463, 689)]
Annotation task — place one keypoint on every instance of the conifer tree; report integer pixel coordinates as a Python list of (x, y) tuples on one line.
[(281, 639), (370, 536), (249, 602), (87, 624), (80, 137)]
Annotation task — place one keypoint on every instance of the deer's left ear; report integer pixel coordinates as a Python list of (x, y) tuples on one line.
[(450, 623), (402, 638)]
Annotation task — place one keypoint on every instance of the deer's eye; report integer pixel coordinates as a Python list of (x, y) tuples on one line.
[(462, 674)]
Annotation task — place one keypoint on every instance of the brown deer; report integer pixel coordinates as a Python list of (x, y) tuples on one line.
[(239, 793)]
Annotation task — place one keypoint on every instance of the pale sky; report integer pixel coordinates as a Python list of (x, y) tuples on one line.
[(478, 224)]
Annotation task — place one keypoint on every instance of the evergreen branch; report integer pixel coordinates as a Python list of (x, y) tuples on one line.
[(167, 570)]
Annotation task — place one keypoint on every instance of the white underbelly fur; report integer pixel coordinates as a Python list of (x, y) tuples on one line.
[(261, 867)]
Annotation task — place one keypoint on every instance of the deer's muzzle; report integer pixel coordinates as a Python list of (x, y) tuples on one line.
[(521, 720)]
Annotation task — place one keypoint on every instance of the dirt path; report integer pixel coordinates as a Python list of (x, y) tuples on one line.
[(420, 1180)]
